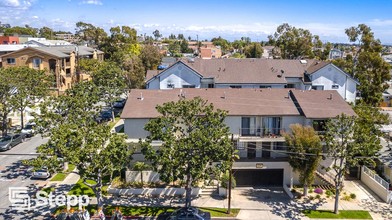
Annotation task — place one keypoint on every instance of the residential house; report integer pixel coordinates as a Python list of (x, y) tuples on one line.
[(60, 62), (256, 118), (335, 54), (209, 53), (254, 73)]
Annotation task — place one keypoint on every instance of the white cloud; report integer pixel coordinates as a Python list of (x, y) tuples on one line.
[(380, 23), (92, 2), (35, 17)]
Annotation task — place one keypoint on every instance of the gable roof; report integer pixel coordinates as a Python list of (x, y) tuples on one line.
[(316, 66), (60, 51), (321, 104), (151, 74)]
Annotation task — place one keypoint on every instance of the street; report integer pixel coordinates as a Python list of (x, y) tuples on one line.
[(14, 174)]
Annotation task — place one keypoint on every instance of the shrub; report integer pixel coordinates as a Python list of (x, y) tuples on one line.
[(318, 191), (311, 197), (353, 196), (318, 196), (346, 197), (225, 181), (329, 193)]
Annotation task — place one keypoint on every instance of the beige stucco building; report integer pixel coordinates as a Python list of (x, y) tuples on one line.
[(58, 61)]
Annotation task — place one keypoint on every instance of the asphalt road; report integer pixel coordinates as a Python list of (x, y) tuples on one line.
[(14, 174)]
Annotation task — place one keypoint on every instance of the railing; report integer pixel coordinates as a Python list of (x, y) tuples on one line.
[(376, 177), (258, 131)]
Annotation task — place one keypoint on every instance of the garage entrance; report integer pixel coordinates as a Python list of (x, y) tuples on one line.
[(262, 177)]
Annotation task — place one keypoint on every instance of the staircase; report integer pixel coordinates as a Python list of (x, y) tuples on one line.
[(328, 183), (209, 190)]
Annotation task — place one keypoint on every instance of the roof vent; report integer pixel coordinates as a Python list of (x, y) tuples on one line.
[(330, 96), (191, 60), (141, 96), (224, 95), (303, 61)]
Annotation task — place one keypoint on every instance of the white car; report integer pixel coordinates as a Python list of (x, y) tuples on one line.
[(41, 174), (29, 129)]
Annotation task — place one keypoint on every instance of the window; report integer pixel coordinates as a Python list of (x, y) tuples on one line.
[(335, 86), (36, 62), (291, 86), (318, 87), (236, 87), (188, 86), (319, 126), (271, 125), (11, 60), (170, 85), (211, 85), (265, 87)]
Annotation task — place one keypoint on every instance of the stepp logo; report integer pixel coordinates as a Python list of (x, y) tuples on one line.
[(19, 198)]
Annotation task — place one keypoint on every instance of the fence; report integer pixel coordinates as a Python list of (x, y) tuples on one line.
[(376, 184)]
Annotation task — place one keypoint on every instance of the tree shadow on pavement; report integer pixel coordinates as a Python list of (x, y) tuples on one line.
[(280, 204), (16, 170)]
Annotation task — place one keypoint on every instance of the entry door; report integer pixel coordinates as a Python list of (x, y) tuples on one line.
[(251, 150), (245, 126)]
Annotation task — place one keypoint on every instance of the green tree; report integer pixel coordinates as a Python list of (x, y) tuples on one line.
[(223, 43), (369, 67), (339, 140), (294, 43), (93, 35), (26, 30), (150, 57), (47, 33), (193, 134), (7, 90), (253, 50), (31, 86), (134, 72), (157, 34), (69, 122), (110, 83), (175, 48), (304, 157)]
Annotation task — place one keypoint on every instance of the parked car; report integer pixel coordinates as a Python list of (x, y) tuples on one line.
[(41, 174), (190, 213), (10, 141), (104, 116), (29, 129), (119, 103)]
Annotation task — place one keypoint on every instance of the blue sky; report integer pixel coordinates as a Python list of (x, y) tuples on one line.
[(207, 19)]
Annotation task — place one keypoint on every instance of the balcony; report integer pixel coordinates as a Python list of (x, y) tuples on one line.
[(264, 132), (262, 159)]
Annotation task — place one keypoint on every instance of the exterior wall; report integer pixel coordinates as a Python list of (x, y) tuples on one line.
[(329, 76), (177, 75), (375, 186), (234, 123), (289, 120), (134, 128), (288, 174), (9, 40)]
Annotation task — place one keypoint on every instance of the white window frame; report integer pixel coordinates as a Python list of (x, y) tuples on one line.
[(35, 63)]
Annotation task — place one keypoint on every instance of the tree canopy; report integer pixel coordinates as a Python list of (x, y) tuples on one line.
[(305, 148), (193, 134)]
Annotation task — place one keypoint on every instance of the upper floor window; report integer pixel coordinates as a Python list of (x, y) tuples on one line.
[(36, 62), (264, 87), (335, 86), (11, 61), (170, 85), (236, 87), (318, 87), (188, 86)]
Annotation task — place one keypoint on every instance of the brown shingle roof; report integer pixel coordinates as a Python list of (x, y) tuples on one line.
[(250, 70), (235, 101), (315, 66), (318, 104)]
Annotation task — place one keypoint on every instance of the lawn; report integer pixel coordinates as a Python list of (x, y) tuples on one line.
[(71, 168), (82, 189), (59, 177), (343, 214), (155, 211)]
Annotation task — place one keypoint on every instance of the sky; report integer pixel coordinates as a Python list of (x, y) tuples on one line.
[(231, 19)]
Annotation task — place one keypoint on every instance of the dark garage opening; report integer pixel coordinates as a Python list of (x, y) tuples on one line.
[(262, 177)]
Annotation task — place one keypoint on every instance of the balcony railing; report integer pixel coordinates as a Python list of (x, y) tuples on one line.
[(261, 132)]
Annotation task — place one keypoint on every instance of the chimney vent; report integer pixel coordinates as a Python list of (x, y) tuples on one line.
[(141, 96), (330, 96)]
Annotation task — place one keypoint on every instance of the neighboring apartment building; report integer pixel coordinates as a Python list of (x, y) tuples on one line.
[(9, 40), (209, 53), (254, 73), (256, 118), (59, 61)]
